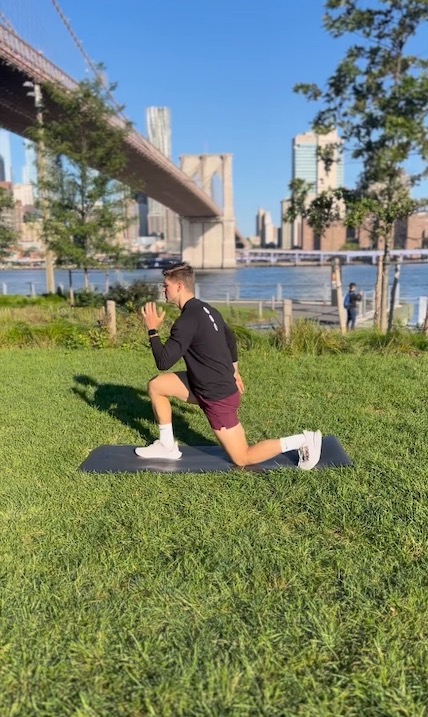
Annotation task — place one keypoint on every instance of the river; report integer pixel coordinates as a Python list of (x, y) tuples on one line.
[(310, 283)]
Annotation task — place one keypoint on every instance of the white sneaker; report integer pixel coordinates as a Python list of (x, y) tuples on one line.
[(310, 452), (158, 450)]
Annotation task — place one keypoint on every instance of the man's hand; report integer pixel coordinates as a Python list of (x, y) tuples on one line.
[(150, 315), (239, 382)]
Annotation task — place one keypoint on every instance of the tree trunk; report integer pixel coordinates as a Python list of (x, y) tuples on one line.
[(107, 285), (385, 285), (86, 275), (378, 293), (41, 172), (394, 292)]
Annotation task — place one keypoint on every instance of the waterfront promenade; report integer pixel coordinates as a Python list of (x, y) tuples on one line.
[(309, 287), (323, 313)]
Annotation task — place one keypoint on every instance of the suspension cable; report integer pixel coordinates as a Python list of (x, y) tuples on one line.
[(86, 57), (4, 20)]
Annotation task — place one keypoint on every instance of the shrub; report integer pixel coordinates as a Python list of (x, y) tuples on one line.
[(83, 297), (19, 334), (308, 337), (247, 338), (131, 298)]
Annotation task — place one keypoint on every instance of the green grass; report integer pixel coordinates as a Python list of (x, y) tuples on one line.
[(220, 594), (17, 301)]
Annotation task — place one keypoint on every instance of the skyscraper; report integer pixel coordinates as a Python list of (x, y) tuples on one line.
[(265, 229), (308, 165), (162, 220), (29, 171), (5, 157)]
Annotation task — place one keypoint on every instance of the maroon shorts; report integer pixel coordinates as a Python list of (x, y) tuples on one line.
[(223, 413)]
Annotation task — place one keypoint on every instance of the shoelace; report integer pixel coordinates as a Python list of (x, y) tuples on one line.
[(304, 453)]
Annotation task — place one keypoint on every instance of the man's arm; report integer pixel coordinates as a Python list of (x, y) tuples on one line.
[(166, 355), (238, 378), (231, 342)]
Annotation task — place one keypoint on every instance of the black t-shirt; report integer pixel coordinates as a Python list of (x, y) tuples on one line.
[(202, 338)]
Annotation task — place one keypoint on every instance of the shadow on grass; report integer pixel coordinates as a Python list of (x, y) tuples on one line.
[(131, 406)]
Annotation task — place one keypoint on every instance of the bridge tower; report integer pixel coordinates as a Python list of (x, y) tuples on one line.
[(209, 242)]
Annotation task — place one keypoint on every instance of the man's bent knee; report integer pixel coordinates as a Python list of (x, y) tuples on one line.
[(229, 438), (154, 386), (240, 459), (169, 385)]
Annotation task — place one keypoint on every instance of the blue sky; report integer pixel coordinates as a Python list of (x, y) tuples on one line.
[(225, 68)]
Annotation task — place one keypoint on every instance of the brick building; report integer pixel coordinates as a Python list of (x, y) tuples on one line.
[(410, 233)]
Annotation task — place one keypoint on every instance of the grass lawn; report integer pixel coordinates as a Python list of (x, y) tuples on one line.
[(220, 594)]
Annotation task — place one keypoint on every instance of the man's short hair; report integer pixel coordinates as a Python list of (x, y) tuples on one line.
[(352, 285), (181, 272)]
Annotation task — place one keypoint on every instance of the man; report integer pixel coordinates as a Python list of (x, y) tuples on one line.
[(202, 338), (350, 304)]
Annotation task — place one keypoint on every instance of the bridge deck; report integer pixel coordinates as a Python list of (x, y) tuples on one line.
[(152, 172)]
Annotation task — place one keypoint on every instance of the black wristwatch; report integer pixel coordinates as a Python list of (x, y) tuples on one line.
[(152, 332)]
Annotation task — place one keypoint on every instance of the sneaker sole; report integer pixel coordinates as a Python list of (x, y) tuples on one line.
[(158, 458)]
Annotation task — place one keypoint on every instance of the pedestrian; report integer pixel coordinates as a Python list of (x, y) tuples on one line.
[(350, 303), (202, 338)]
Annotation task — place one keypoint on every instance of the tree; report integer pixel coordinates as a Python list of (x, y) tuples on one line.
[(378, 99), (7, 235), (84, 208)]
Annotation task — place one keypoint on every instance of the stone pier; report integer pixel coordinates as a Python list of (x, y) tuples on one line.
[(209, 242)]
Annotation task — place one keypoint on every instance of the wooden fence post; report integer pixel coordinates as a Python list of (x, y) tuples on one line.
[(340, 307), (111, 318), (287, 317)]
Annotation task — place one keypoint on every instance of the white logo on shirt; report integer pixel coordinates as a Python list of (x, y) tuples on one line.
[(207, 311)]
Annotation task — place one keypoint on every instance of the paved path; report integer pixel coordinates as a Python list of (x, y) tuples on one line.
[(325, 314)]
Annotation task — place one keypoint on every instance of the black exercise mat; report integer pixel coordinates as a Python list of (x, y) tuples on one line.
[(202, 459)]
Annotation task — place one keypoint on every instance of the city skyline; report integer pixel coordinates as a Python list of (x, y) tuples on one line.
[(161, 219), (238, 99), (11, 167), (6, 168), (29, 170)]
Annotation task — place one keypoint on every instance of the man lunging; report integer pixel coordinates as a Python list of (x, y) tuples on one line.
[(202, 338)]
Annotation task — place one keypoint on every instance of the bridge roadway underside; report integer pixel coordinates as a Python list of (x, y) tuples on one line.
[(147, 170)]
